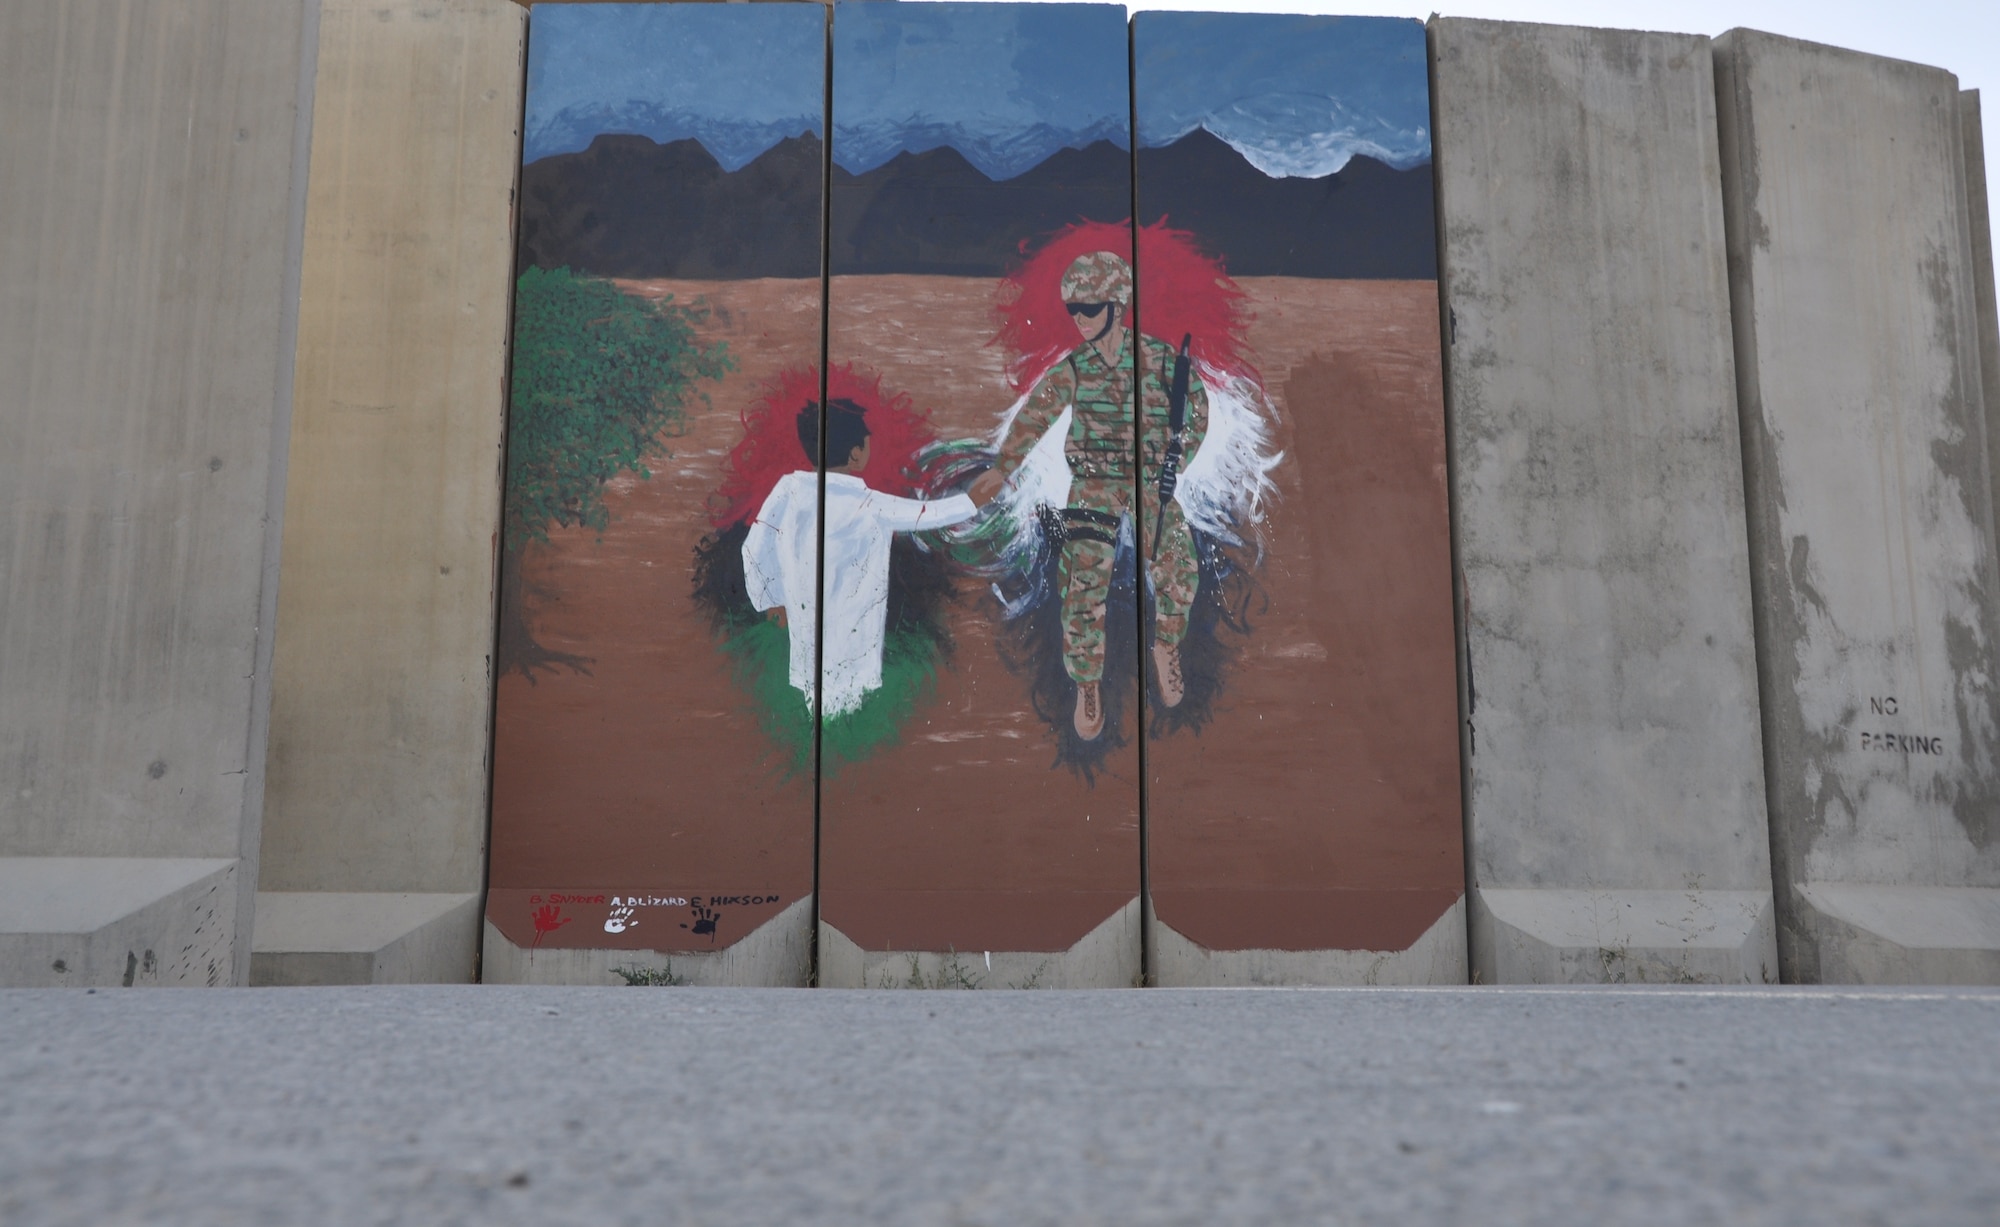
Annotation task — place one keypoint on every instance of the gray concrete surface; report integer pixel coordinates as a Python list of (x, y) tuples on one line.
[(1870, 507), (497, 1105), (1107, 956), (152, 179), (1979, 223), (382, 676), (365, 937), (1611, 732), (118, 920)]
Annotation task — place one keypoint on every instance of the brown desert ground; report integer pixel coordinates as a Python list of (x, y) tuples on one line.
[(1319, 809)]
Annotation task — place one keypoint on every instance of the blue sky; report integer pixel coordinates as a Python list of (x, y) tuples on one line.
[(739, 78), (1004, 84), (1297, 95)]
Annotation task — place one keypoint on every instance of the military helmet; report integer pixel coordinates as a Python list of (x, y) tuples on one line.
[(1101, 276)]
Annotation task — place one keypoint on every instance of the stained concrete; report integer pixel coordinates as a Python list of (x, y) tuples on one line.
[(499, 1105), (1627, 936), (104, 921), (382, 683), (1109, 956), (1979, 225), (1611, 734), (152, 174), (1870, 504), (1436, 957)]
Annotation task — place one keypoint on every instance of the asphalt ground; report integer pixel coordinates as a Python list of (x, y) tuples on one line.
[(493, 1105)]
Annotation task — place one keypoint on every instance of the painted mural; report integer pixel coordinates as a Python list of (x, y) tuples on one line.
[(653, 783), (981, 268), (1303, 780), (1083, 482)]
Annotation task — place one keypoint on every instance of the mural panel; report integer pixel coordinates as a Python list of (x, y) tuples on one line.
[(979, 790), (1303, 818), (653, 770)]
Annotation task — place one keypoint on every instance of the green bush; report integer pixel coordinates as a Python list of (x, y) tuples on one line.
[(600, 379)]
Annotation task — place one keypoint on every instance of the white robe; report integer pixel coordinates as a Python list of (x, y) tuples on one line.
[(779, 561)]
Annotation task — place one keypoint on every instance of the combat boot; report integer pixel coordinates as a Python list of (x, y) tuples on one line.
[(1089, 719), (1167, 668)]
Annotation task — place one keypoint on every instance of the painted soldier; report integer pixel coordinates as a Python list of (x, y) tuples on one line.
[(1095, 381)]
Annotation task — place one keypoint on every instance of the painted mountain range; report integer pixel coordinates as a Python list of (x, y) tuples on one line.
[(628, 207)]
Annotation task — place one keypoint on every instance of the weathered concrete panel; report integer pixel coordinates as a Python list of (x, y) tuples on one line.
[(1626, 936), (1611, 736), (371, 937), (1106, 957), (1870, 507), (1979, 223), (152, 175), (382, 680), (104, 921)]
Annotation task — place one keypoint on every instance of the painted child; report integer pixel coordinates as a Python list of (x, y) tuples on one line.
[(781, 554)]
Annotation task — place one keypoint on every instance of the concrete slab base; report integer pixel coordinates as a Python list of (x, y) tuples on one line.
[(1106, 957), (1624, 937), (364, 937), (1438, 957), (1903, 934), (105, 921), (776, 954)]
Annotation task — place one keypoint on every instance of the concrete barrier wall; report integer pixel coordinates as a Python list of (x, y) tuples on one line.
[(1980, 226), (1871, 520), (152, 168), (1613, 785), (375, 820)]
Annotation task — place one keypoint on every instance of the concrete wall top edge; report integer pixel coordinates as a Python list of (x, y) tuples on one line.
[(1739, 35), (1492, 26)]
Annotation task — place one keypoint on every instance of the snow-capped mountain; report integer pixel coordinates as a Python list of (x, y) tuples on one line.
[(860, 148), (1304, 136)]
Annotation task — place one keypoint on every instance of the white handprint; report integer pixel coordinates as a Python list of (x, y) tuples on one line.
[(620, 920)]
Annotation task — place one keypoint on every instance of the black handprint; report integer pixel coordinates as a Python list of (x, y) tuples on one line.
[(704, 921)]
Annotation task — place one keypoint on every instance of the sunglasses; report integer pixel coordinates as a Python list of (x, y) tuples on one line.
[(1086, 308)]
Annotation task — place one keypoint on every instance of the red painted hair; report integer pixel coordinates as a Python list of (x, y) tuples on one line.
[(770, 447), (1183, 291)]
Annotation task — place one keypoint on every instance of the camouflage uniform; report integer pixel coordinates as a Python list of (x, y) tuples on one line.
[(1100, 451)]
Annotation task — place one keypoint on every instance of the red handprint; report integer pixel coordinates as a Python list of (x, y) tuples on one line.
[(548, 918)]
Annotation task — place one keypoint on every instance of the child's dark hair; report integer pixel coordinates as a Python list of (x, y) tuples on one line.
[(846, 429)]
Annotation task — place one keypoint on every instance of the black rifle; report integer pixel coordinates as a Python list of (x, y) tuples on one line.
[(1170, 468)]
